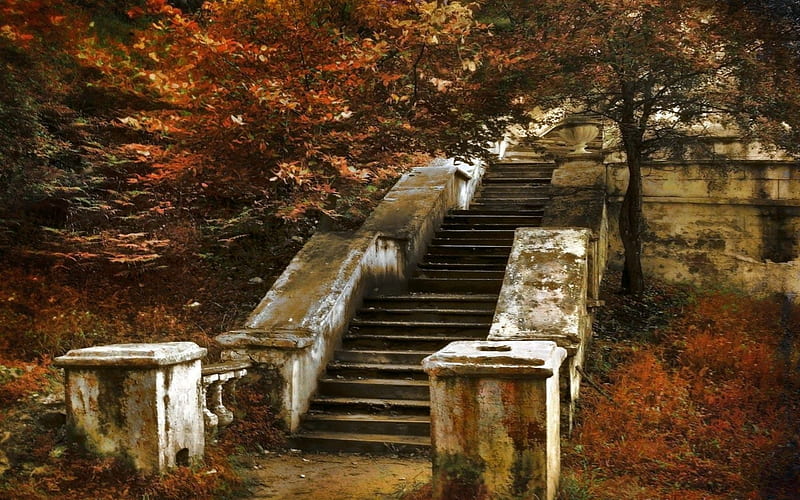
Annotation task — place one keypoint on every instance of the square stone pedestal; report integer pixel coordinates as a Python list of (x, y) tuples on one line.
[(140, 402), (495, 419)]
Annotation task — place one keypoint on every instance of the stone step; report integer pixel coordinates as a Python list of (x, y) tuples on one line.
[(475, 239), (459, 274), (425, 314), (410, 425), (388, 357), (465, 226), (487, 221), (500, 266), (516, 178), (364, 326), (497, 213), (455, 285), (375, 370), (466, 260), (360, 443), (378, 406), (409, 341), (456, 250), (414, 389), (450, 301), (507, 235), (492, 204)]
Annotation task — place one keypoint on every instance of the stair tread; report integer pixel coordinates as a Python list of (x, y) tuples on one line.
[(381, 381), (450, 297), (399, 338), (383, 351), (381, 366), (428, 310), (444, 324), (359, 417), (374, 438), (418, 403)]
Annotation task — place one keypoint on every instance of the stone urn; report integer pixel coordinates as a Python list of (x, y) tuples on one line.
[(578, 131)]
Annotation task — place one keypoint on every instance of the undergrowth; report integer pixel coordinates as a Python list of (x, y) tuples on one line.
[(701, 401)]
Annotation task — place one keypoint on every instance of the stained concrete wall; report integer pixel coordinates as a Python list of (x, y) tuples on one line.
[(293, 332), (734, 223)]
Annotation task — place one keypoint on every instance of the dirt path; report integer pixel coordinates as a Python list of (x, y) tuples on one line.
[(310, 476)]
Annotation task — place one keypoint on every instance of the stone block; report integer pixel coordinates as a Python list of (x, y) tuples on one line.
[(495, 420), (140, 402)]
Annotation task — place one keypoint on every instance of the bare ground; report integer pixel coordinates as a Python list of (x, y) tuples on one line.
[(295, 475)]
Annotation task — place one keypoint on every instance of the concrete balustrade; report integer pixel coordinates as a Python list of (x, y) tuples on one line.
[(292, 333), (219, 387), (139, 402), (495, 422)]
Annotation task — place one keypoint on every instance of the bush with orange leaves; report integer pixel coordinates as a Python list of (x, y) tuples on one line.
[(707, 411)]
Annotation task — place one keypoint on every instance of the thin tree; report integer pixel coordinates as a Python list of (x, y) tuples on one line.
[(659, 70)]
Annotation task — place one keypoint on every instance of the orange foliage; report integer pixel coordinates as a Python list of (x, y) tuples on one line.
[(19, 379), (709, 412)]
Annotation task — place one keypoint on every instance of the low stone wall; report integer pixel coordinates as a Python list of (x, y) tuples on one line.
[(292, 333), (734, 223)]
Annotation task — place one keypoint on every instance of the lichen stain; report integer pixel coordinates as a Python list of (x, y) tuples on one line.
[(457, 477)]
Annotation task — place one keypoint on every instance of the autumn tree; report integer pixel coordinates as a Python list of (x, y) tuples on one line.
[(658, 70)]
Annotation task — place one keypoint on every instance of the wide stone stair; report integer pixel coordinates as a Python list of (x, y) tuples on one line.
[(374, 395)]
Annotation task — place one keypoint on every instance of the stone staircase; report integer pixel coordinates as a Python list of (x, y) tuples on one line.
[(374, 395)]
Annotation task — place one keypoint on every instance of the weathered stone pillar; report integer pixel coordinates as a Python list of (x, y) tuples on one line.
[(495, 420), (140, 402)]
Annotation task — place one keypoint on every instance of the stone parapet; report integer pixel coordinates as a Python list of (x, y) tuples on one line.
[(139, 402), (495, 420), (545, 295)]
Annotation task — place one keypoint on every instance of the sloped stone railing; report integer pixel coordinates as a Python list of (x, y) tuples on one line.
[(219, 386), (292, 333)]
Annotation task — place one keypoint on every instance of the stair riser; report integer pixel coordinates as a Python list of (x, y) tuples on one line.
[(490, 220), (476, 260), (383, 342), (472, 234), (474, 239), (455, 274), (336, 446), (431, 303), (517, 178), (438, 330), (455, 286), (457, 226), (367, 373), (383, 410), (482, 317), (352, 389), (393, 358), (370, 427), (467, 250)]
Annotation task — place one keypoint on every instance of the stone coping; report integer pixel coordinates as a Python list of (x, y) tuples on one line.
[(132, 355), (506, 359), (277, 338)]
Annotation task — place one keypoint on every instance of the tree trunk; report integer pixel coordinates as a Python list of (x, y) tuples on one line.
[(630, 229), (631, 216)]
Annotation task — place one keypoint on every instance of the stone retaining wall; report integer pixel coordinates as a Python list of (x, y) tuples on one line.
[(714, 224)]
